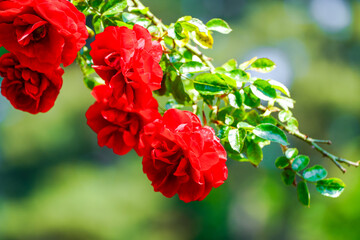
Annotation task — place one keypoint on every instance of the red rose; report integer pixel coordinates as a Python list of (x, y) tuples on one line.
[(28, 90), (118, 125), (183, 157), (42, 33), (127, 57)]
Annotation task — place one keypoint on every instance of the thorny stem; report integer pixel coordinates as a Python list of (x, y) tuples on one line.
[(206, 60), (315, 145)]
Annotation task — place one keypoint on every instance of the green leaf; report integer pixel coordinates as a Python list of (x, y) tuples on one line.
[(238, 74), (250, 99), (300, 162), (210, 84), (230, 65), (245, 125), (116, 8), (269, 119), (282, 162), (129, 17), (235, 100), (81, 5), (153, 29), (143, 22), (285, 115), (262, 65), (291, 153), (179, 31), (254, 153), (230, 82), (121, 24), (253, 117), (270, 132), (330, 187), (173, 104), (303, 193), (279, 86), (229, 120), (98, 24), (3, 51), (285, 102), (203, 39), (219, 25), (288, 176), (198, 24), (236, 139), (91, 82), (245, 65), (263, 90), (178, 91), (193, 67), (223, 132), (315, 173), (94, 3), (139, 10), (293, 124)]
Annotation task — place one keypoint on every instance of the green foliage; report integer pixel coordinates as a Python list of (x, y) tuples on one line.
[(236, 139), (303, 193), (219, 25), (315, 173), (331, 187), (282, 162), (263, 65), (271, 132), (211, 84), (288, 176), (193, 67), (300, 162), (249, 112), (291, 153)]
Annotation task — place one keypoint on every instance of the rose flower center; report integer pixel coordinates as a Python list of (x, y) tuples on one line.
[(30, 28)]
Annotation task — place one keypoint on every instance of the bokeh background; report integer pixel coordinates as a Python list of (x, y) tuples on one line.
[(57, 184)]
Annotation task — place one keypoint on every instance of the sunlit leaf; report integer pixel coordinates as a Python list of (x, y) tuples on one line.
[(219, 25), (331, 187), (300, 162), (284, 115), (270, 132), (315, 173), (116, 8), (236, 139), (210, 84), (193, 67), (291, 153), (262, 65)]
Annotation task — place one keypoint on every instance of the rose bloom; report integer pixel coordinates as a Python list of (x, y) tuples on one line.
[(127, 59), (183, 157), (42, 33), (118, 125), (28, 90)]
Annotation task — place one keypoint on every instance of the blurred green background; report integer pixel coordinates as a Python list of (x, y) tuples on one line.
[(56, 183)]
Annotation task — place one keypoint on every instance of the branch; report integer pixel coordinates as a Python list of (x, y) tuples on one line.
[(207, 61), (191, 48), (314, 143)]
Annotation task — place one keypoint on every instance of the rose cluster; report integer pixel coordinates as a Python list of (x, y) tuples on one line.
[(40, 35), (180, 156)]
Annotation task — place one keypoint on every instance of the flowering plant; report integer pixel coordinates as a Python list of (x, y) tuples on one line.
[(212, 113)]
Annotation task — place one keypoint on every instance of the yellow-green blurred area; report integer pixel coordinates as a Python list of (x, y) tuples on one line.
[(56, 183)]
